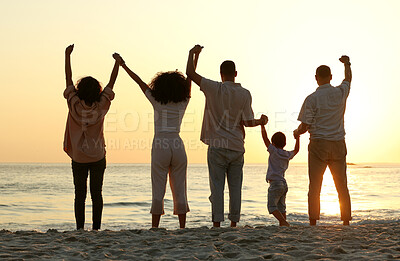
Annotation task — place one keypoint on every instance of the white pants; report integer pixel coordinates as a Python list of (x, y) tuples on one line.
[(168, 156)]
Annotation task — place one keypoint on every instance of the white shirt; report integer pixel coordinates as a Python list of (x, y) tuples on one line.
[(324, 111), (167, 117), (278, 162), (227, 104)]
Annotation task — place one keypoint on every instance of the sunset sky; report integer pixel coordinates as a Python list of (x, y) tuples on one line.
[(276, 45)]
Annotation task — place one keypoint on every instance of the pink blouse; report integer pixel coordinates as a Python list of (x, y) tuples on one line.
[(84, 138)]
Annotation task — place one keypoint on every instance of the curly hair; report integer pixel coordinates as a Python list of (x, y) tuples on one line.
[(89, 90), (170, 87)]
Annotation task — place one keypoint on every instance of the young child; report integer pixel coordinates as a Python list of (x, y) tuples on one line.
[(278, 163), (84, 138)]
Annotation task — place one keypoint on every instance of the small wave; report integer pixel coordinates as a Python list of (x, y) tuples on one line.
[(249, 201), (119, 204), (298, 216), (377, 221)]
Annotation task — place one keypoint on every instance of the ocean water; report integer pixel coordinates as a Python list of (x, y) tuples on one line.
[(41, 196)]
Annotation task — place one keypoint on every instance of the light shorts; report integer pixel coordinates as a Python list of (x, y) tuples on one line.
[(277, 196)]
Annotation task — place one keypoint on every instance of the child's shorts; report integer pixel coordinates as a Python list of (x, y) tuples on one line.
[(277, 196)]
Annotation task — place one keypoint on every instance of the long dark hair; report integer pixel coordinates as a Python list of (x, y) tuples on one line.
[(170, 87), (89, 90)]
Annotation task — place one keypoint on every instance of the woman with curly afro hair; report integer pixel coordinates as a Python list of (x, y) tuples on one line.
[(169, 94)]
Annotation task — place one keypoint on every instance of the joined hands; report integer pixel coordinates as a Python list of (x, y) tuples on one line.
[(196, 49), (118, 58), (264, 119), (296, 134)]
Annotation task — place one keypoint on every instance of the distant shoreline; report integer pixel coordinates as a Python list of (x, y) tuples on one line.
[(250, 164)]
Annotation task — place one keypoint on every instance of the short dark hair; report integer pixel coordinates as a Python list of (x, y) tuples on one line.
[(227, 68), (170, 87), (89, 90), (279, 140), (323, 71)]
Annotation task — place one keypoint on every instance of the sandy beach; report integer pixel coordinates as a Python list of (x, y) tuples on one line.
[(357, 242)]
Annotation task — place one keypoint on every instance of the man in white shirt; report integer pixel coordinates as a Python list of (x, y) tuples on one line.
[(322, 115), (227, 109)]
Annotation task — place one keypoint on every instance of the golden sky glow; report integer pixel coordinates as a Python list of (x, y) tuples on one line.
[(276, 46)]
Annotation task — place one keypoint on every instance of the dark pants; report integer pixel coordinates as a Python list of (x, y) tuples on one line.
[(323, 153), (80, 172)]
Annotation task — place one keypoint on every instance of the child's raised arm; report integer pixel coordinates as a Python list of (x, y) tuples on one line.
[(297, 145), (264, 120), (265, 136), (143, 86), (68, 71)]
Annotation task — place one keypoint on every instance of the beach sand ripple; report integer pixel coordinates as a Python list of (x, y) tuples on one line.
[(372, 241)]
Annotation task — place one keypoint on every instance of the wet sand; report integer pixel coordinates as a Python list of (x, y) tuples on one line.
[(356, 242)]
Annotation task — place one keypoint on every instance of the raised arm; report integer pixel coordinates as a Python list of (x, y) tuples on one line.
[(188, 81), (297, 145), (68, 71), (191, 64), (264, 121), (347, 69), (114, 72), (267, 142), (143, 86)]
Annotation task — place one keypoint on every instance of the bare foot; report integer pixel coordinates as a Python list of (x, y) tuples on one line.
[(284, 224), (281, 218), (346, 223), (216, 224), (313, 222), (233, 224)]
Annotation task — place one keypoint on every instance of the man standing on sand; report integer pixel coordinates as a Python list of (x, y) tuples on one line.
[(227, 109), (322, 115)]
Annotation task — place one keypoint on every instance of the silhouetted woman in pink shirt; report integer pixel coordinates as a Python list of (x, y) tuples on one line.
[(84, 138)]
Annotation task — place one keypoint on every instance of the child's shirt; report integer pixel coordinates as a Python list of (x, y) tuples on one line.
[(278, 162), (84, 138)]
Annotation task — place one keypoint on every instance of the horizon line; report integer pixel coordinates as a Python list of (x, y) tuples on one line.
[(205, 163)]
